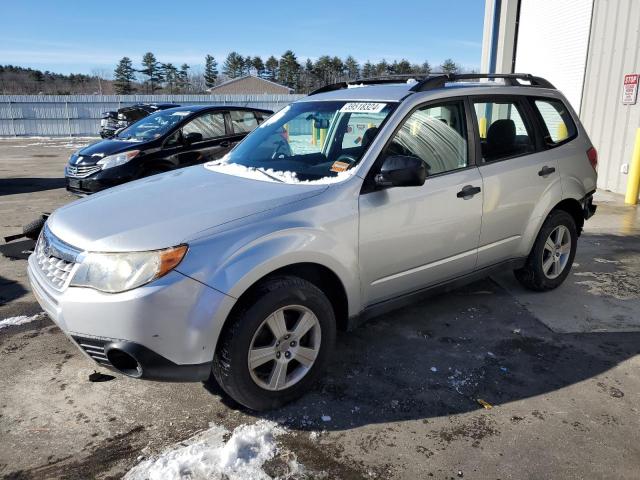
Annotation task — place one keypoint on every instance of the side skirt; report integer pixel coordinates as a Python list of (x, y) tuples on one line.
[(403, 300)]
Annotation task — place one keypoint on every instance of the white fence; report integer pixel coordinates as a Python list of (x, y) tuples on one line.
[(79, 115)]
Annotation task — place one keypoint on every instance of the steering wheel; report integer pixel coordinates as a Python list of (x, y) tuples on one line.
[(283, 150), (346, 158)]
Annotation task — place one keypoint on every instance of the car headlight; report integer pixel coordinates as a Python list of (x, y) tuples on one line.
[(117, 159), (119, 272)]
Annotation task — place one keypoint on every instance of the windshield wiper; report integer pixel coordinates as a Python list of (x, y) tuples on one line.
[(270, 176)]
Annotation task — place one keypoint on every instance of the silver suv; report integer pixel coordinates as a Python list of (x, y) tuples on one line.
[(343, 205)]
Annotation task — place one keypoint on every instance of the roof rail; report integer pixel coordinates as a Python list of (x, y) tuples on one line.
[(511, 79), (367, 81), (439, 80)]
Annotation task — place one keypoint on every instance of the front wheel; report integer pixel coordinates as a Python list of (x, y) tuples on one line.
[(276, 343), (552, 255)]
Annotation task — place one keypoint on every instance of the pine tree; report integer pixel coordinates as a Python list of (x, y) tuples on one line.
[(382, 68), (210, 71), (258, 65), (403, 67), (271, 68), (289, 70), (368, 70), (426, 68), (170, 76), (233, 65), (352, 68), (449, 66), (183, 77), (151, 69), (124, 75)]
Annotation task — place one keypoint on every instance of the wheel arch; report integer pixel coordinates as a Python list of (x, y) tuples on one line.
[(320, 275), (573, 208)]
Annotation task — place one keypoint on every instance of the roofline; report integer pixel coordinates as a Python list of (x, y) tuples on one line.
[(439, 80), (248, 76)]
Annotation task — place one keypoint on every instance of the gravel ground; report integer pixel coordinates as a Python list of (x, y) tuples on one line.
[(401, 399)]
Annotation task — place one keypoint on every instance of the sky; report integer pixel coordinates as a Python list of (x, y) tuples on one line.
[(91, 36)]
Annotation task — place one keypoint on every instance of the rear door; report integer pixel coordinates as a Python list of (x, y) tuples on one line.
[(520, 180), (215, 140), (414, 237)]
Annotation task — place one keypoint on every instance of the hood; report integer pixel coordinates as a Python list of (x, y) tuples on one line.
[(90, 154), (168, 209)]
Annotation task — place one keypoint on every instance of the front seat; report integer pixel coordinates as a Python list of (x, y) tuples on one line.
[(368, 136), (501, 139)]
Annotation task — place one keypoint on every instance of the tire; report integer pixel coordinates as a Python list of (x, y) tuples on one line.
[(541, 272), (283, 298)]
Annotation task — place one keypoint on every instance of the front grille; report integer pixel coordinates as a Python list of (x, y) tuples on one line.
[(82, 171), (55, 269), (94, 347)]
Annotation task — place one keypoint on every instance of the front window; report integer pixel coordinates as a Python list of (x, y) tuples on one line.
[(152, 127), (307, 142)]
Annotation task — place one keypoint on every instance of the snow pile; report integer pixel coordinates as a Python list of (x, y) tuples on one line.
[(270, 175), (208, 456), (19, 320)]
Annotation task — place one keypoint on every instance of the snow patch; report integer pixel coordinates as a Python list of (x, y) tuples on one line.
[(270, 175), (19, 320), (208, 456)]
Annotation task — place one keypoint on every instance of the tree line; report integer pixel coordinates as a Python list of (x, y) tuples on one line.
[(154, 76)]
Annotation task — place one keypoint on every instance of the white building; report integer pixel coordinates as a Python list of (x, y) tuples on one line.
[(585, 48)]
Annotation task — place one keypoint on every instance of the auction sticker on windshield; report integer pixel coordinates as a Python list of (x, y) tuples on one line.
[(366, 107)]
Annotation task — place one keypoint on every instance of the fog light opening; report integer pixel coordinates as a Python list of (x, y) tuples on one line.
[(124, 363)]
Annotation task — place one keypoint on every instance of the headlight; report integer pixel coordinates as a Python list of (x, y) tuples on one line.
[(117, 159), (118, 272)]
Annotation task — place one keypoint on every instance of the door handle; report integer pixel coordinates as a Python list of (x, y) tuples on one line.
[(546, 171), (225, 143), (468, 191)]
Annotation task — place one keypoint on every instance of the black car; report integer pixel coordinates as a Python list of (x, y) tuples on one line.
[(111, 122), (163, 141)]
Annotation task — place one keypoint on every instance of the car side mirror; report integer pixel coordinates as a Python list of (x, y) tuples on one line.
[(191, 137), (401, 171)]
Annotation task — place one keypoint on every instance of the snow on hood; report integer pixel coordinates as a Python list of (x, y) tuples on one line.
[(208, 456), (270, 175), (168, 209)]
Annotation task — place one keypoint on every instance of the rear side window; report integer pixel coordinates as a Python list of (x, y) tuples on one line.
[(557, 121), (243, 122), (503, 130)]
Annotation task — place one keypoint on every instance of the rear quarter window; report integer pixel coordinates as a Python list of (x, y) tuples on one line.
[(556, 120)]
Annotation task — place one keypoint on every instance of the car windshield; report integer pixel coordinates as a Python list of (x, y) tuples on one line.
[(153, 126), (316, 142)]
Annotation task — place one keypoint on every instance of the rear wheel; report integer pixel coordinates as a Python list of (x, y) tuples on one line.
[(276, 344), (552, 255)]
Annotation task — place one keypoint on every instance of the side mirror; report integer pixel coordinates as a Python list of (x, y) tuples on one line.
[(401, 171), (191, 137)]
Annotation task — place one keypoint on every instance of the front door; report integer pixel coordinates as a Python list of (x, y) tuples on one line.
[(212, 141), (414, 237)]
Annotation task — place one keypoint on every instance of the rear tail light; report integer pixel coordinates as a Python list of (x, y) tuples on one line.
[(592, 155)]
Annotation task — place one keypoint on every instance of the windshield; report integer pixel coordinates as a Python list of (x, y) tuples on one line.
[(153, 126), (307, 142)]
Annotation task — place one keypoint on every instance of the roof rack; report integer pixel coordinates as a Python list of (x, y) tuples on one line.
[(511, 79), (439, 80), (368, 81)]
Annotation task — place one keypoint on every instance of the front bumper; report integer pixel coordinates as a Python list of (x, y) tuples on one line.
[(101, 180), (170, 326)]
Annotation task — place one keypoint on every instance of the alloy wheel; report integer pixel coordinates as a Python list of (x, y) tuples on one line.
[(556, 252), (284, 347)]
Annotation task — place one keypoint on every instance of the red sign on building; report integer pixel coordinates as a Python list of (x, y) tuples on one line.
[(630, 89)]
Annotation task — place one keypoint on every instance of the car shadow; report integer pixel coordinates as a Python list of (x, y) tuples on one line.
[(10, 290), (441, 356), (13, 186)]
